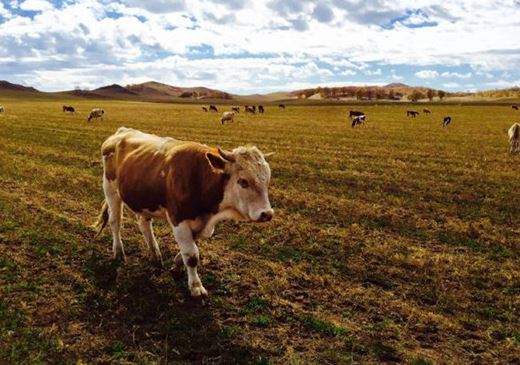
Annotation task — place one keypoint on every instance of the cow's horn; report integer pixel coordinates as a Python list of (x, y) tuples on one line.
[(267, 155), (228, 156)]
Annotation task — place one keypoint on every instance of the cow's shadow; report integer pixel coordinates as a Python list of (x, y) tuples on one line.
[(148, 313)]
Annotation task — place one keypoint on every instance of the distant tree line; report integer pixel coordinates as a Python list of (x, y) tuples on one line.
[(369, 93)]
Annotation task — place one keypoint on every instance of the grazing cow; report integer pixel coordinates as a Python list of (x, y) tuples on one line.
[(213, 108), (96, 113), (427, 111), (254, 108), (515, 107), (355, 113), (250, 109), (358, 120), (446, 121), (412, 113), (514, 137), (191, 185), (235, 109), (281, 106), (68, 108), (227, 116), (261, 109), (205, 109), (2, 110)]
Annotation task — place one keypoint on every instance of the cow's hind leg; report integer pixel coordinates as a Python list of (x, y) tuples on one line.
[(190, 257), (146, 228), (115, 211)]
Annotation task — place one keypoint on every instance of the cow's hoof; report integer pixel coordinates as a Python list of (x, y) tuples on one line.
[(120, 257), (157, 262), (198, 291)]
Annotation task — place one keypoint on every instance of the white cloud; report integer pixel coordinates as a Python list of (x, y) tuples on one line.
[(36, 5), (427, 74), (457, 75), (304, 39)]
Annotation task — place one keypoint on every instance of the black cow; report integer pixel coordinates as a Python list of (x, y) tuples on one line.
[(213, 108), (515, 107), (205, 109), (355, 113), (68, 108), (427, 111), (261, 109), (412, 113), (446, 121), (281, 106)]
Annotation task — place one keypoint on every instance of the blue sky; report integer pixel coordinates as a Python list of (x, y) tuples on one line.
[(247, 46)]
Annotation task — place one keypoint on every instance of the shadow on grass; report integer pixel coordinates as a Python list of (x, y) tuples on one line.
[(148, 315)]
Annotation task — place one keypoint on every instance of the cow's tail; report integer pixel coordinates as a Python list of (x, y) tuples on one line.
[(102, 219)]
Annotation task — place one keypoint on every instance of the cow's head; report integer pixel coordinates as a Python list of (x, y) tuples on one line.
[(246, 191)]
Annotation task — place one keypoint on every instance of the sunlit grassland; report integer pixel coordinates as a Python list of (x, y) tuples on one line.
[(394, 242)]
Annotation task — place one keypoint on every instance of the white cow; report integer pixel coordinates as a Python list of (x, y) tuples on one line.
[(96, 113), (514, 137), (227, 116)]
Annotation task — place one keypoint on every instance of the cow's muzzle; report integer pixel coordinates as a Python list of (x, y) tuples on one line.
[(266, 216)]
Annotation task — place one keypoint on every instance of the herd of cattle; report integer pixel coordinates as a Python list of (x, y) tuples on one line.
[(357, 117)]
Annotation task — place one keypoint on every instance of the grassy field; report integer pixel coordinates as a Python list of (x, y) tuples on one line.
[(396, 242)]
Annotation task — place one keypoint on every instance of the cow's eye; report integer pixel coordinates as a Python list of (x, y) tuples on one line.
[(243, 183)]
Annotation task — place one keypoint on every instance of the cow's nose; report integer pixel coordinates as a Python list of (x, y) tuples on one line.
[(266, 216)]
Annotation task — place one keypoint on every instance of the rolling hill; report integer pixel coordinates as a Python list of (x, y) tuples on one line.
[(154, 91)]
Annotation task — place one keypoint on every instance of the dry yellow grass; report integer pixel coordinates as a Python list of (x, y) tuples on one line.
[(394, 242)]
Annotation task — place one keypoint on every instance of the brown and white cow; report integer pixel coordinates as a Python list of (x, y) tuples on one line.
[(96, 113), (2, 109), (191, 185), (227, 117), (514, 138)]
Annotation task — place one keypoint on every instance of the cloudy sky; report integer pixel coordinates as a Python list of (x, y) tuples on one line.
[(248, 46)]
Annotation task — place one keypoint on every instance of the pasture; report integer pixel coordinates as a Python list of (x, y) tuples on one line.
[(394, 242)]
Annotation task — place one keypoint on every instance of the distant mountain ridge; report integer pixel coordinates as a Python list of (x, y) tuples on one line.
[(154, 91)]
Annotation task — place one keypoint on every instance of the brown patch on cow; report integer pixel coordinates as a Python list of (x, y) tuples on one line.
[(192, 261), (154, 172), (110, 168)]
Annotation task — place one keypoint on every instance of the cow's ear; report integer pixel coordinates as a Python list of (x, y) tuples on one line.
[(215, 161)]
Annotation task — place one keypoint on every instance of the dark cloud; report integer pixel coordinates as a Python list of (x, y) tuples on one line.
[(323, 13), (158, 6)]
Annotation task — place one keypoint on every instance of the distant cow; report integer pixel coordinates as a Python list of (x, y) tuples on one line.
[(213, 108), (261, 109), (281, 106), (250, 109), (355, 113), (446, 121), (514, 138), (2, 110), (235, 109), (227, 116), (412, 113), (96, 113), (68, 108), (191, 185), (427, 111), (205, 109), (358, 120), (515, 107)]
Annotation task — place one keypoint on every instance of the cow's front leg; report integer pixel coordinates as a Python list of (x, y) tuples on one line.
[(190, 257)]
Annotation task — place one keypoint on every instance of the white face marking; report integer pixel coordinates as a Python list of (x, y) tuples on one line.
[(247, 189)]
